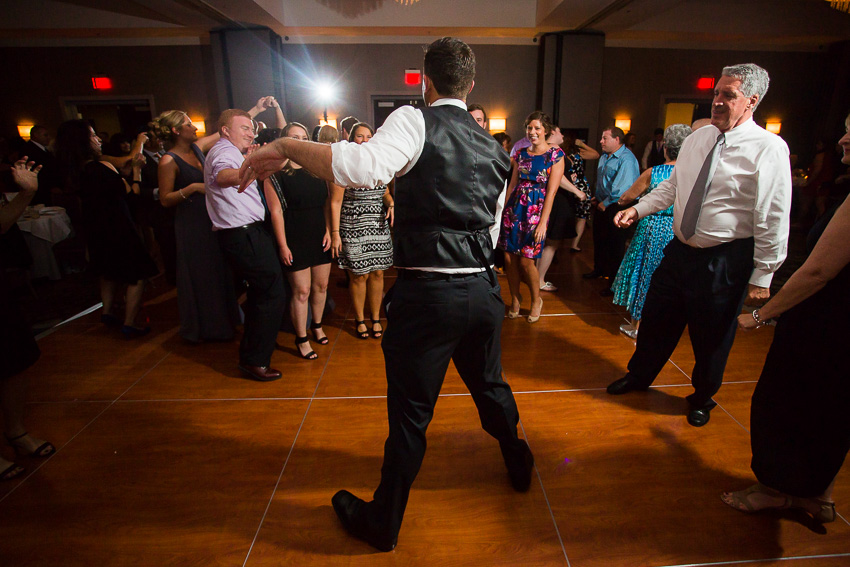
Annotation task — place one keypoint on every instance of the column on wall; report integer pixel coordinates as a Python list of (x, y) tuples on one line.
[(247, 66), (570, 79)]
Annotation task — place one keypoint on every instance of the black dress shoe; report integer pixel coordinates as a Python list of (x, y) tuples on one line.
[(592, 275), (625, 385), (349, 509), (520, 464), (260, 373), (607, 292), (699, 417)]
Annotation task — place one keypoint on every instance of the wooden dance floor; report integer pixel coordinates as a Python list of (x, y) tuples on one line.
[(166, 456)]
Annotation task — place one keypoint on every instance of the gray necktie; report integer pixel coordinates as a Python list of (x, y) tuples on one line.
[(694, 206)]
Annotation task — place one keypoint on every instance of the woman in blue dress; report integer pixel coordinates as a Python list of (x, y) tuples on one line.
[(652, 234), (537, 172)]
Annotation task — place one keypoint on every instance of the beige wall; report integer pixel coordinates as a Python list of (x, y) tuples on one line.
[(633, 81), (36, 78)]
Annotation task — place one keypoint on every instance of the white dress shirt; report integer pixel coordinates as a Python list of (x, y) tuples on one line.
[(749, 195), (393, 151)]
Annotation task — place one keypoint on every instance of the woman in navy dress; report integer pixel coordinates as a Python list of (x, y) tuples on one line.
[(537, 173), (206, 297)]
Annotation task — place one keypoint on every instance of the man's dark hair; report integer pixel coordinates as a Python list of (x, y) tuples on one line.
[(346, 123), (617, 133), (476, 106), (450, 64), (658, 131)]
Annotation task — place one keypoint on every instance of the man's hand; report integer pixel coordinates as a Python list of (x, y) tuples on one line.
[(624, 219), (25, 174), (261, 163), (600, 206), (757, 295)]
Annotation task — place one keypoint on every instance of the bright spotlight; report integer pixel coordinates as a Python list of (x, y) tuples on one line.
[(325, 92)]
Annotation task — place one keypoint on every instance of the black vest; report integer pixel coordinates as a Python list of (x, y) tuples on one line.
[(656, 155), (449, 197)]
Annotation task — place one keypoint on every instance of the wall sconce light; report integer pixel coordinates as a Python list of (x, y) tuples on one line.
[(773, 126), (24, 131), (329, 122), (624, 124), (498, 124), (200, 125)]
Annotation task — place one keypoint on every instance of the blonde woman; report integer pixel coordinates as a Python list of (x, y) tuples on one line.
[(206, 297)]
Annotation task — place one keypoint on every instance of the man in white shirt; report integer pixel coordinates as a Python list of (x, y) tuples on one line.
[(446, 303), (731, 197)]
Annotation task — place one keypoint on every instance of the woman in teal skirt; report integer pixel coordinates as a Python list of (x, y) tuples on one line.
[(652, 234)]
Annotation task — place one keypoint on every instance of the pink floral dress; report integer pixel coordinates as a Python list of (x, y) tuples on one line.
[(525, 205)]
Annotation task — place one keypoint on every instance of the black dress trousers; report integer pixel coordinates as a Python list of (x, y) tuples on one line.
[(609, 241), (702, 288), (430, 322), (251, 254)]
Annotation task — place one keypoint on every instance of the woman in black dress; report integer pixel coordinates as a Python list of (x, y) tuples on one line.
[(800, 430), (205, 293), (18, 349), (305, 253), (117, 252)]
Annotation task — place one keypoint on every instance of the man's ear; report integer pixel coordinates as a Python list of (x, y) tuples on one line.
[(472, 86)]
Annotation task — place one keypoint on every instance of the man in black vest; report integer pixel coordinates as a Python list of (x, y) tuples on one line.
[(653, 154), (446, 303)]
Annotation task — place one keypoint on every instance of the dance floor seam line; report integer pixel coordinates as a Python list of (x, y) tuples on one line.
[(294, 442), (750, 561), (546, 498), (86, 426)]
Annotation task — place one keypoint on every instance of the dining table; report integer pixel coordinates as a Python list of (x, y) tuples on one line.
[(43, 227)]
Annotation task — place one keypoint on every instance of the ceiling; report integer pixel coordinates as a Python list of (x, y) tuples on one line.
[(790, 25)]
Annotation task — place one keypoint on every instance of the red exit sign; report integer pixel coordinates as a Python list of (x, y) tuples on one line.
[(101, 83)]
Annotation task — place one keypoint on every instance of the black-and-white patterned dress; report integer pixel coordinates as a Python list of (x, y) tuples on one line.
[(364, 231)]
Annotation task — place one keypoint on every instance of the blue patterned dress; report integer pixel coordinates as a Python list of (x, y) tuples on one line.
[(645, 252), (525, 205)]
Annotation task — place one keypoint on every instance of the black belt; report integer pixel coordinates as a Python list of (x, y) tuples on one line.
[(436, 276), (240, 228)]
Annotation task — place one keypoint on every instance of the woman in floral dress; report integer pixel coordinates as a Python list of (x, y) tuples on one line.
[(537, 172)]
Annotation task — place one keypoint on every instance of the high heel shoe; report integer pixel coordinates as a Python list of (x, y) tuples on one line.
[(310, 355), (318, 327), (532, 318), (515, 314), (44, 450), (361, 334), (629, 331), (379, 333)]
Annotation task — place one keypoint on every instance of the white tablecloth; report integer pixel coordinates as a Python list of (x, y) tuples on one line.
[(41, 234)]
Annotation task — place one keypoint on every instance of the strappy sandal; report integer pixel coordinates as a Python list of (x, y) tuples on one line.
[(741, 501), (44, 450), (361, 334), (377, 334), (310, 355), (12, 471), (318, 327)]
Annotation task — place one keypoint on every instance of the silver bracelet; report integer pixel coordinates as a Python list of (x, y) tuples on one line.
[(757, 319)]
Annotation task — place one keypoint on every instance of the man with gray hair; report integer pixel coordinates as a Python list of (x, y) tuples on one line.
[(731, 197)]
